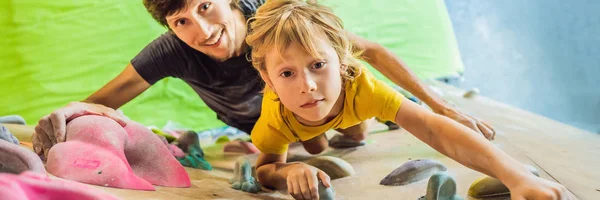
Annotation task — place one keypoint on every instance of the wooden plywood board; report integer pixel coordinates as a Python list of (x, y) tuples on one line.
[(562, 153), (568, 154)]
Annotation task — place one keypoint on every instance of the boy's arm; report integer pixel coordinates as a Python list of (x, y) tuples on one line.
[(271, 170), (466, 147), (392, 67)]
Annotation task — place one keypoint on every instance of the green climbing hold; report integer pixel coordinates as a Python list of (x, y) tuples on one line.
[(326, 193), (222, 139), (242, 177), (169, 137), (441, 186), (195, 158)]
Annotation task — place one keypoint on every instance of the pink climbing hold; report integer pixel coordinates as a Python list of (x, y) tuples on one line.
[(32, 185), (152, 160), (99, 151), (94, 153), (176, 151)]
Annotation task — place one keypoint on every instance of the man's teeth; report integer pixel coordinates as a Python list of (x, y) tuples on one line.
[(216, 40)]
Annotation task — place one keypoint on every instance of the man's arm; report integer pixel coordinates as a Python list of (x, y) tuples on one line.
[(122, 89), (51, 128), (392, 67)]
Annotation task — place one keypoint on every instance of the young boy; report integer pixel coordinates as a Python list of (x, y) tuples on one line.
[(315, 83)]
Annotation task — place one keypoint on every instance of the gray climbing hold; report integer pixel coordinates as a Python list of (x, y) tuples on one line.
[(187, 139), (441, 186), (339, 141), (491, 187), (16, 159), (326, 193), (413, 171), (332, 166), (242, 177), (12, 119), (7, 136)]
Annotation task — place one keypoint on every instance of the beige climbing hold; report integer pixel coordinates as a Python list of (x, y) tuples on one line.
[(340, 142), (485, 187), (332, 166), (471, 93)]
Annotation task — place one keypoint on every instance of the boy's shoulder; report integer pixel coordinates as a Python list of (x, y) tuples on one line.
[(363, 84), (372, 97), (271, 109)]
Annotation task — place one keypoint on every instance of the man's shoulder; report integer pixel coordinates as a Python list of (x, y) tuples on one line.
[(168, 38), (169, 46), (249, 7)]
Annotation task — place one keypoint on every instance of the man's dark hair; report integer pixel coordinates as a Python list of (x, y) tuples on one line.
[(160, 9)]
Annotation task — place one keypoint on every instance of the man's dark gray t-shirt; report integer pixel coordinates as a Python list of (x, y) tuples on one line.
[(231, 88)]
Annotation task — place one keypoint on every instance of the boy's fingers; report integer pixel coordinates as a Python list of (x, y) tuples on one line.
[(313, 183), (304, 189), (290, 186), (325, 179), (296, 193), (487, 133), (491, 128)]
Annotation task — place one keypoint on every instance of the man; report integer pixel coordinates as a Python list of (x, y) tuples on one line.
[(205, 47)]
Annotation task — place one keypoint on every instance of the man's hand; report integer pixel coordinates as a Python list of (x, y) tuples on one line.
[(51, 129), (473, 123)]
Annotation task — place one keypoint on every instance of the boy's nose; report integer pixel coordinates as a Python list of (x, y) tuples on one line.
[(308, 85)]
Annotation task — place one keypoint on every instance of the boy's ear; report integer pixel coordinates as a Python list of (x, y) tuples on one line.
[(266, 78), (343, 69)]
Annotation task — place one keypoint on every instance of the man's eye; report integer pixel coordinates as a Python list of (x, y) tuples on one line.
[(205, 6), (180, 22)]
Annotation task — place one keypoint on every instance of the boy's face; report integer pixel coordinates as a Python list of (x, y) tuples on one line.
[(307, 86), (210, 26)]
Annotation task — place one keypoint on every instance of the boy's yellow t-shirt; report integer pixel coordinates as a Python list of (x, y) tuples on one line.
[(366, 97)]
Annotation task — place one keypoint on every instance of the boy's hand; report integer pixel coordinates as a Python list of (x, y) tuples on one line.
[(303, 181), (51, 129), (538, 188)]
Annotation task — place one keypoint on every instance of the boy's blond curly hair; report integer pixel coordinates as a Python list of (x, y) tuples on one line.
[(279, 23)]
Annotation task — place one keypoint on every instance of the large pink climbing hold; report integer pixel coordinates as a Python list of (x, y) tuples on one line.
[(94, 153), (151, 159), (31, 185)]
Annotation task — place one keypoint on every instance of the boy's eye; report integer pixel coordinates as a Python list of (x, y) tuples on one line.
[(319, 65), (286, 74)]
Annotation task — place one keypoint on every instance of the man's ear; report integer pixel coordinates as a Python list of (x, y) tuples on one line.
[(267, 80)]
